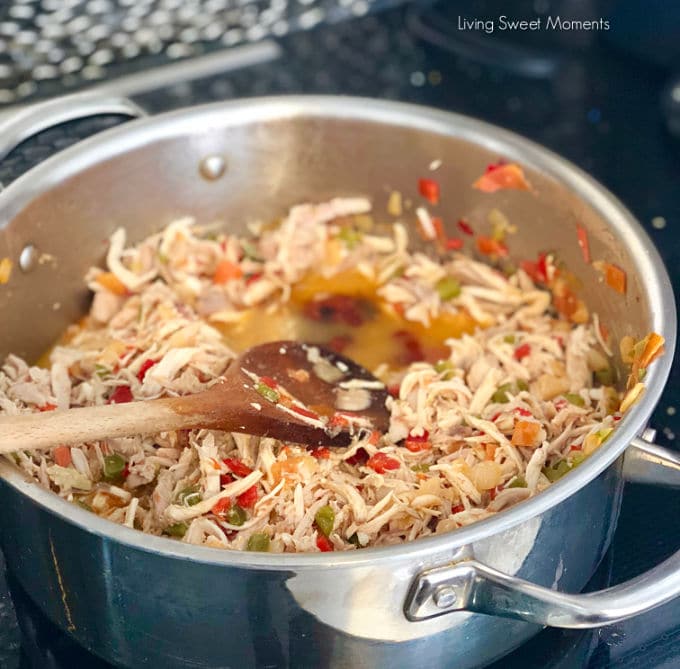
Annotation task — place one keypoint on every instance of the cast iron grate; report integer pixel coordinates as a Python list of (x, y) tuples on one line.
[(52, 46)]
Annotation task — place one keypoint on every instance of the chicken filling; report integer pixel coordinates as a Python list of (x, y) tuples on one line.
[(493, 395)]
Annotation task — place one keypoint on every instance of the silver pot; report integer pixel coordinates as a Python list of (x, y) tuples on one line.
[(139, 600)]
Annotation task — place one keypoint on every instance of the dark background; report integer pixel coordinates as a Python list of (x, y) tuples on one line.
[(609, 100)]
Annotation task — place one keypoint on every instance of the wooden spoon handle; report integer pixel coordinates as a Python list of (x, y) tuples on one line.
[(52, 428)]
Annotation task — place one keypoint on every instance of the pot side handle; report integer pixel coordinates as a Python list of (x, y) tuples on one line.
[(16, 126), (468, 585), (645, 462)]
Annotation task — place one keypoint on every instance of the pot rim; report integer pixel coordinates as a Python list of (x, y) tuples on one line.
[(138, 133)]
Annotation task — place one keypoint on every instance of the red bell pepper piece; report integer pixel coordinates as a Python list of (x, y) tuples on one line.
[(522, 351), (268, 381), (429, 189), (416, 444), (221, 506), (304, 412), (324, 544), (248, 498), (226, 271), (320, 453), (237, 467), (226, 479), (381, 463), (489, 246), (146, 366), (583, 243), (62, 455), (121, 395), (359, 458), (502, 177), (465, 227)]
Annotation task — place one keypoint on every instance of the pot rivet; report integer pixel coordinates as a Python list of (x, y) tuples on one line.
[(444, 597), (28, 258), (212, 167)]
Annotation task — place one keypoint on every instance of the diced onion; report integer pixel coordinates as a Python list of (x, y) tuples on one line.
[(486, 475)]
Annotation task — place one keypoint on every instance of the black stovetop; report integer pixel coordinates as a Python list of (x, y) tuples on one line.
[(587, 96)]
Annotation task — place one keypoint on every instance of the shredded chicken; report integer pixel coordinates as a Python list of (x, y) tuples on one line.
[(509, 409)]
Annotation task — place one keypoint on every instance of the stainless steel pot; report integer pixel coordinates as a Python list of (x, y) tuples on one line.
[(140, 600)]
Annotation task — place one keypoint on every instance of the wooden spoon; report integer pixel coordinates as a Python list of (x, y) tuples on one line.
[(286, 390)]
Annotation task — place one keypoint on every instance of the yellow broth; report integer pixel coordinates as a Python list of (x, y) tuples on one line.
[(383, 336)]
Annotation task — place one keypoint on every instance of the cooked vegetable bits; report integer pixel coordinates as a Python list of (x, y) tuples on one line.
[(500, 382)]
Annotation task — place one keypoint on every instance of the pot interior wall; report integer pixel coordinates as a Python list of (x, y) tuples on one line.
[(272, 164)]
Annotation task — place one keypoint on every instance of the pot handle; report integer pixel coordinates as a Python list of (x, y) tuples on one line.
[(16, 126), (468, 585), (645, 462)]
